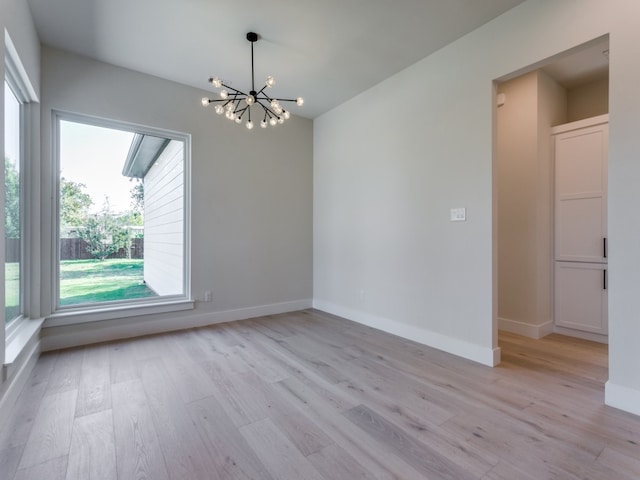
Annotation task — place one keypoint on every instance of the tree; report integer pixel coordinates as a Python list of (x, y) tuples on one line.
[(137, 197), (12, 199), (74, 203), (103, 233)]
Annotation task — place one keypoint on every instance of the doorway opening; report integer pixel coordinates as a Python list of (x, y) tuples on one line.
[(532, 105)]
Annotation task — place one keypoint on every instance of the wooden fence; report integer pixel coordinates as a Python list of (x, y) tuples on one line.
[(76, 249)]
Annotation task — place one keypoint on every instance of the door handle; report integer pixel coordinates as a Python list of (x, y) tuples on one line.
[(604, 247), (604, 279)]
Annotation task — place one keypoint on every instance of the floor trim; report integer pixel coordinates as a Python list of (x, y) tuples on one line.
[(621, 397), (56, 338), (525, 329), (18, 376), (461, 348)]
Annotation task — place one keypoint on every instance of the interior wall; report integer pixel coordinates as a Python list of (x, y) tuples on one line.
[(385, 252), (534, 102), (251, 196), (16, 21), (588, 100), (518, 165)]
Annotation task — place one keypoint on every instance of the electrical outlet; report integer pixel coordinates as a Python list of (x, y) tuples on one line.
[(208, 296), (458, 214)]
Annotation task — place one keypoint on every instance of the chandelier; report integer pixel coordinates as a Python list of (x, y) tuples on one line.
[(236, 105)]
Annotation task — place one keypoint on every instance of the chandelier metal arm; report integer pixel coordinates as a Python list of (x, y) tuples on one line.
[(232, 98)]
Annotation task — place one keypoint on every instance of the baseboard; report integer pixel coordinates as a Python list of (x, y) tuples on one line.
[(20, 371), (56, 338), (623, 398), (525, 329), (571, 332), (461, 348)]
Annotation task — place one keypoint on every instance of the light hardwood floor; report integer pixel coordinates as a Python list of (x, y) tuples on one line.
[(310, 396)]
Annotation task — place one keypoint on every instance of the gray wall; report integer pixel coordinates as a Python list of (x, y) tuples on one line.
[(16, 19), (251, 193), (385, 252)]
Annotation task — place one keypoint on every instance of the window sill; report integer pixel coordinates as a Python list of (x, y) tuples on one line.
[(77, 316), (24, 332)]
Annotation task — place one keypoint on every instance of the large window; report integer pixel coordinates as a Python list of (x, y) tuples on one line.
[(121, 210), (13, 122)]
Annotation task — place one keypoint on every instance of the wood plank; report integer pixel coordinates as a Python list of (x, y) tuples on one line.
[(302, 431), (620, 463), (122, 361), (17, 428), (138, 452), (242, 398), (50, 436), (277, 453), (333, 463), (184, 453), (545, 399), (9, 459), (420, 456), (94, 391), (229, 450), (384, 464), (92, 455), (54, 469), (66, 371), (192, 383)]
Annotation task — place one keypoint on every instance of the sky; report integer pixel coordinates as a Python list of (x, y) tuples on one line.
[(95, 156), (12, 130)]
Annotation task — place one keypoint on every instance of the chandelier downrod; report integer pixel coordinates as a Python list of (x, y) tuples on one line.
[(235, 104)]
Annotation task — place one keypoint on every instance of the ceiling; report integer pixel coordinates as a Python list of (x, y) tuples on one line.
[(584, 64), (326, 51)]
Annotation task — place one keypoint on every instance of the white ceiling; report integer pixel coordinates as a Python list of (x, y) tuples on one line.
[(582, 65), (324, 50)]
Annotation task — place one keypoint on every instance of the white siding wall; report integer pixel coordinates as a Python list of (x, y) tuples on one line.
[(163, 222)]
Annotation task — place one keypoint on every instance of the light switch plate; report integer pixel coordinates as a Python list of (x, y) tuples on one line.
[(458, 214)]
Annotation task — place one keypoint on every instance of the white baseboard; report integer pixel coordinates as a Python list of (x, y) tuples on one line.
[(461, 348), (525, 329), (20, 371), (571, 332), (56, 338), (623, 398)]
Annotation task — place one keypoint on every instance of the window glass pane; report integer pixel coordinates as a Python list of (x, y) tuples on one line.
[(121, 215), (12, 187)]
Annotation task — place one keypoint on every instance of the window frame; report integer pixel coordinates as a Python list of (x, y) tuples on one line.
[(14, 81), (98, 311), (24, 329)]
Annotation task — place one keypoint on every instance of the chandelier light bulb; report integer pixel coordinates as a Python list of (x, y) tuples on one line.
[(233, 102)]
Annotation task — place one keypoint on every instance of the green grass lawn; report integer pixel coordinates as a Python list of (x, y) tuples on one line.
[(90, 281), (11, 290)]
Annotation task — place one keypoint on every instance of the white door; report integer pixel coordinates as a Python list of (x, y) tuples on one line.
[(581, 225)]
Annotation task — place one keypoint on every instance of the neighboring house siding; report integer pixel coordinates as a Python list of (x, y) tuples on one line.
[(163, 222)]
